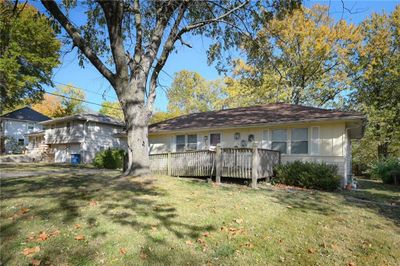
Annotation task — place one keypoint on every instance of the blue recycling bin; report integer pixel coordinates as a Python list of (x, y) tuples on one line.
[(75, 159)]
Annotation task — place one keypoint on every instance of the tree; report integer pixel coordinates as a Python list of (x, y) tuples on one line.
[(72, 100), (191, 93), (376, 77), (153, 29), (301, 59), (112, 109), (29, 51), (50, 106)]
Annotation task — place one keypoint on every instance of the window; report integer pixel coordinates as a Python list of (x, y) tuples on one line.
[(31, 126), (180, 143), (279, 140), (21, 142), (299, 141), (192, 142), (215, 138)]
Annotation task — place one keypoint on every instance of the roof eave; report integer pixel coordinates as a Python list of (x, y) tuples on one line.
[(343, 119)]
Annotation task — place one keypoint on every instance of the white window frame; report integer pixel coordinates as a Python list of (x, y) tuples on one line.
[(187, 142), (176, 143), (308, 140), (287, 139), (316, 142)]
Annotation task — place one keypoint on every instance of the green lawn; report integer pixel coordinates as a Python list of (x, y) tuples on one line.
[(165, 220)]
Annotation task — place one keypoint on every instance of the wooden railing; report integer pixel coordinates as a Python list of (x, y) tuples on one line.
[(243, 163)]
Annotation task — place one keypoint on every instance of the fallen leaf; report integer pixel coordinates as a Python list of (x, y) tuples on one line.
[(249, 245), (123, 251), (35, 262), (24, 210), (30, 238), (93, 203), (30, 251), (80, 237), (351, 263), (289, 207), (142, 255), (239, 221), (201, 241), (154, 228), (188, 242), (77, 226), (55, 233), (206, 234), (312, 250), (42, 236)]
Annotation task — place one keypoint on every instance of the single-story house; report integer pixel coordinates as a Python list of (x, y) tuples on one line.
[(298, 132), (83, 134), (14, 127)]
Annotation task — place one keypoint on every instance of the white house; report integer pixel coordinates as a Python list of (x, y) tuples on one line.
[(299, 132), (14, 127), (83, 134)]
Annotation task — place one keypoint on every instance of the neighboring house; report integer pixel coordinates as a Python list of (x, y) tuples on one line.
[(84, 134), (14, 127), (299, 132)]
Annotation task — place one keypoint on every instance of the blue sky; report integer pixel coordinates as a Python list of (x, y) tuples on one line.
[(195, 59)]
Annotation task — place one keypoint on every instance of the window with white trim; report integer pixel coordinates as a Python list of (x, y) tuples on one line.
[(279, 140), (31, 126), (180, 142), (192, 142), (299, 141), (215, 139)]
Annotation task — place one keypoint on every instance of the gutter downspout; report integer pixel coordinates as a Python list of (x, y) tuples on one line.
[(83, 159)]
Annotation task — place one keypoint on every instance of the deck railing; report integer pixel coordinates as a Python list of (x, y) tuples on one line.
[(243, 163)]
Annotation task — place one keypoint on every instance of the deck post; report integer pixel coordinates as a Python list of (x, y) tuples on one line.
[(254, 167), (169, 170), (218, 163)]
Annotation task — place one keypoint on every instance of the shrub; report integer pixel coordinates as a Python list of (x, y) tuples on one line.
[(109, 159), (386, 170), (308, 175)]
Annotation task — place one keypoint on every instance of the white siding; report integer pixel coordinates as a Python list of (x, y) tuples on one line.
[(18, 130)]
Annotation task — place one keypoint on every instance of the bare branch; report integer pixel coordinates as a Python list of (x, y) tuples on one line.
[(114, 12), (77, 39)]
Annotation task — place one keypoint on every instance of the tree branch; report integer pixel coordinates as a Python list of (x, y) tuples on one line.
[(77, 39), (168, 46), (114, 12)]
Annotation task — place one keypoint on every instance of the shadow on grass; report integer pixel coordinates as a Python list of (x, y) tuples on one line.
[(123, 201), (381, 198)]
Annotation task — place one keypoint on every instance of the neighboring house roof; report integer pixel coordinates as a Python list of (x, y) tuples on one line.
[(99, 118), (27, 114), (253, 115)]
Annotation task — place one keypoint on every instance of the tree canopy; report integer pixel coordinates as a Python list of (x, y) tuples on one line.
[(29, 51), (301, 59), (50, 106), (112, 109), (376, 79), (72, 100)]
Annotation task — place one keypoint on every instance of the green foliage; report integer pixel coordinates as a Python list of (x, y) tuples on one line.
[(191, 93), (387, 170), (72, 102), (376, 72), (302, 59), (109, 159), (308, 175), (112, 109), (29, 52)]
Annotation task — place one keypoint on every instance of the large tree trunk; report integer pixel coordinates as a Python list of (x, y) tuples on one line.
[(136, 120)]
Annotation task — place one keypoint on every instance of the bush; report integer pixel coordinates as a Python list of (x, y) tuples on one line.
[(308, 175), (387, 170), (109, 159)]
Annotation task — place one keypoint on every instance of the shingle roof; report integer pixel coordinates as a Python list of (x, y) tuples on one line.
[(104, 119), (253, 115), (26, 113)]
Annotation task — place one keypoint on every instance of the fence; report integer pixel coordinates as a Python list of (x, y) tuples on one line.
[(240, 163)]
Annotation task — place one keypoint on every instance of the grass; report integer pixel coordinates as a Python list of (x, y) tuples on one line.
[(165, 220)]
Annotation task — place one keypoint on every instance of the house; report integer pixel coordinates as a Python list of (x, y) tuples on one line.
[(14, 127), (83, 134), (298, 132)]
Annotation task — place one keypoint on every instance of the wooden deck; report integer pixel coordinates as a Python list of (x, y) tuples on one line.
[(243, 163)]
